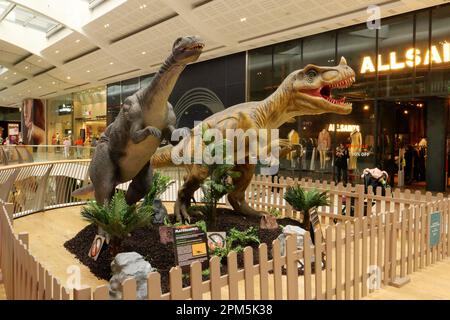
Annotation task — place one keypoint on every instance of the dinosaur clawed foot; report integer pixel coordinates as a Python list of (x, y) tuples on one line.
[(181, 211)]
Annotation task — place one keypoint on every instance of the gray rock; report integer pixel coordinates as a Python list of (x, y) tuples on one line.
[(126, 265), (294, 230), (159, 211)]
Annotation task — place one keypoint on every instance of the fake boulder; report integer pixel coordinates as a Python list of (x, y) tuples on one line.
[(126, 265), (298, 232), (159, 212)]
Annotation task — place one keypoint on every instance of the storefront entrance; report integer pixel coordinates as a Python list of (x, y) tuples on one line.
[(411, 142)]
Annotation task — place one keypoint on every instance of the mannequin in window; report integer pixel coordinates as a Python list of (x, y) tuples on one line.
[(355, 148), (293, 138), (323, 146)]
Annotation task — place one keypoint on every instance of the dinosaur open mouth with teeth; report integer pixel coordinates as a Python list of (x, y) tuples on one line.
[(325, 92), (197, 46)]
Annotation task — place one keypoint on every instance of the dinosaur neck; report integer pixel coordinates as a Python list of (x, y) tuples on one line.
[(162, 84), (272, 112)]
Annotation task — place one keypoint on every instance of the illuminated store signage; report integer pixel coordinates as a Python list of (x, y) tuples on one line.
[(436, 55), (64, 109), (342, 127)]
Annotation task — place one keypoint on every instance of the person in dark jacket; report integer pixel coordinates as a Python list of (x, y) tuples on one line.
[(341, 154)]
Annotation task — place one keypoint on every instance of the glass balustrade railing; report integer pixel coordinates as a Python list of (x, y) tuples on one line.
[(14, 154)]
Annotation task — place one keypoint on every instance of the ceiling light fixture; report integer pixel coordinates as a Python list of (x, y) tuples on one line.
[(68, 78), (56, 51), (39, 87), (88, 71), (106, 25), (366, 107), (142, 6), (77, 41), (143, 52), (26, 67), (53, 82), (243, 19), (111, 63), (14, 73)]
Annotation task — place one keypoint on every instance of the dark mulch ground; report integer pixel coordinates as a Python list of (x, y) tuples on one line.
[(145, 241)]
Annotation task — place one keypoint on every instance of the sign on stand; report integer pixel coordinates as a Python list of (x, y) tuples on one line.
[(435, 228), (190, 245)]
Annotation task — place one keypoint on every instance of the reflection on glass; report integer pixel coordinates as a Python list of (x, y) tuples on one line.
[(395, 40), (440, 65)]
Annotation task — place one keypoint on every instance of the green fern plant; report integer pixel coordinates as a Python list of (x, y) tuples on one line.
[(236, 241), (117, 218), (305, 201)]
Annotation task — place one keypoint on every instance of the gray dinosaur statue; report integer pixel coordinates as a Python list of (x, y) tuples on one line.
[(124, 150)]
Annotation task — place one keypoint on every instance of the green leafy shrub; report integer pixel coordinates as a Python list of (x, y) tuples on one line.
[(236, 241), (219, 181), (274, 212), (117, 218)]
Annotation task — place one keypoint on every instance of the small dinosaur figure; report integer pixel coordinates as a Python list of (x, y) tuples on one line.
[(304, 92), (124, 150)]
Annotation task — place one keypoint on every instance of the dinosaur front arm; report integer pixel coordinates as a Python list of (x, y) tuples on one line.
[(138, 135)]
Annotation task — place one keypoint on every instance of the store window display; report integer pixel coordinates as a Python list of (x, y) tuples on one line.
[(59, 119), (355, 148), (90, 114), (324, 145)]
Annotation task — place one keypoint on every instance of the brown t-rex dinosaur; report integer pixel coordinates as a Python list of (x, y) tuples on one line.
[(304, 92)]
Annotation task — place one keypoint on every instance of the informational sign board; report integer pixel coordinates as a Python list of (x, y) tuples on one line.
[(96, 247), (190, 245), (216, 240), (435, 228)]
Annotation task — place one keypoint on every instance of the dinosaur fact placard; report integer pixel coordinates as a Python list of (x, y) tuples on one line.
[(190, 245)]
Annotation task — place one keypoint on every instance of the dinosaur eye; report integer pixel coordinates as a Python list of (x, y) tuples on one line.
[(310, 75)]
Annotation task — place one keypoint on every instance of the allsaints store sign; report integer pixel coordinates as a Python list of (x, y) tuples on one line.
[(436, 55)]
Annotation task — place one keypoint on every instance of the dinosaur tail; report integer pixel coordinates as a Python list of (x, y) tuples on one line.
[(84, 193), (162, 157)]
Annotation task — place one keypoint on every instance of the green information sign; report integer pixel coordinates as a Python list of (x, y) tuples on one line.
[(435, 228)]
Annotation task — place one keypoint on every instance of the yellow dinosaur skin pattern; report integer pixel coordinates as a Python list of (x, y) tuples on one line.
[(304, 92)]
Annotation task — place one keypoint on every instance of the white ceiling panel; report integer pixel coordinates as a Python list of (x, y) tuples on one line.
[(108, 45)]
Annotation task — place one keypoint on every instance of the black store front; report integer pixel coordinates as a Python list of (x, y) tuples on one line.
[(400, 98)]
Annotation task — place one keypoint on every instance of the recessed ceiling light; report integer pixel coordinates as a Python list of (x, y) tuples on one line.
[(143, 52), (243, 19), (111, 63), (68, 78), (15, 73), (77, 41), (39, 87), (88, 71), (106, 25), (56, 51), (366, 107), (6, 78), (53, 82), (142, 6), (26, 67)]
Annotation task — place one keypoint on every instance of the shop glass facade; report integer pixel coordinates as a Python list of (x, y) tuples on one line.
[(402, 77), (78, 115)]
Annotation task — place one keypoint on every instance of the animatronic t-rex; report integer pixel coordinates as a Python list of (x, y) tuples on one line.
[(124, 150), (304, 92)]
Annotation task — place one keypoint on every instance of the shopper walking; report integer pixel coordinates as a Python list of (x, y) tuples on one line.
[(79, 146), (67, 144)]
